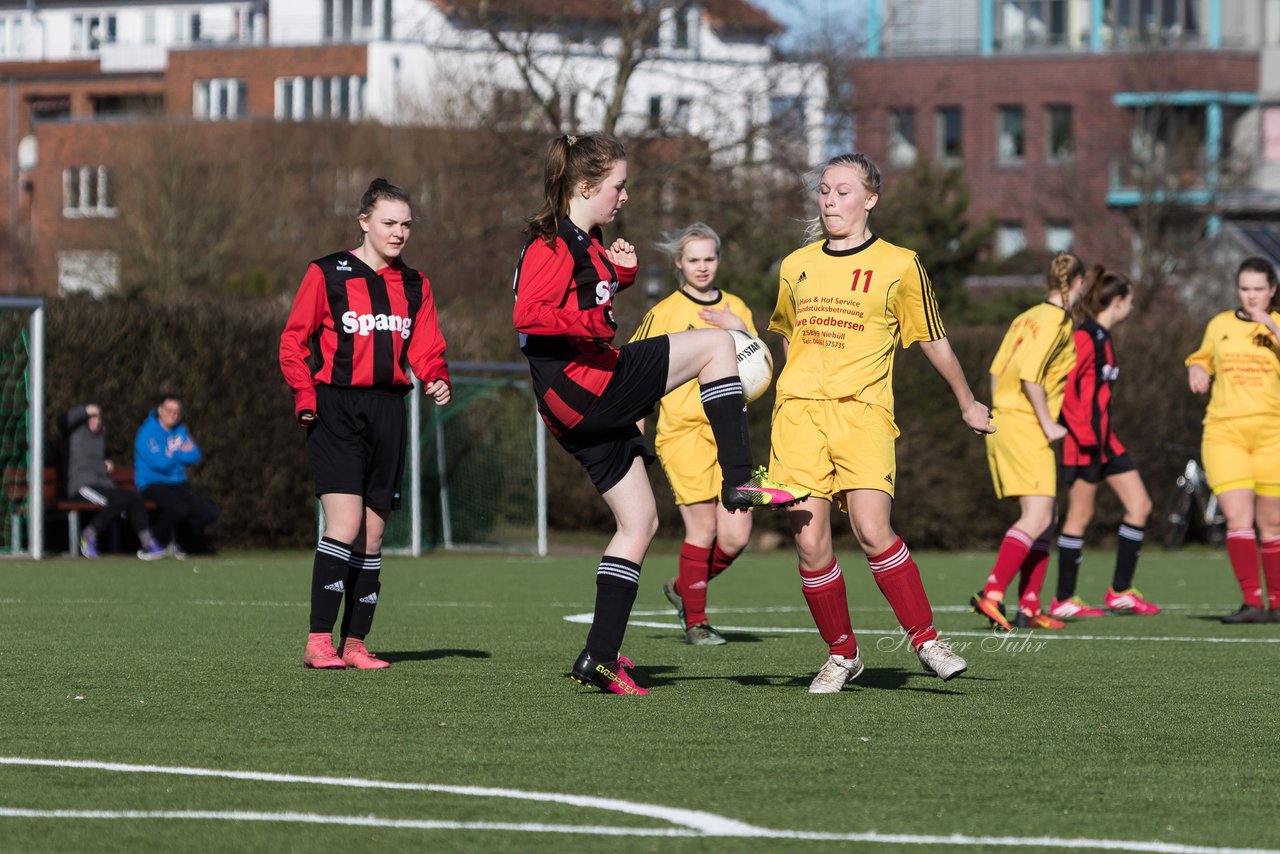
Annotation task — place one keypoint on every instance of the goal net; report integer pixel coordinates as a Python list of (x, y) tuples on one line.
[(476, 473), (22, 426)]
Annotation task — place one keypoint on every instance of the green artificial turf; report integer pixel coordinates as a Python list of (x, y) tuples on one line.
[(1119, 728)]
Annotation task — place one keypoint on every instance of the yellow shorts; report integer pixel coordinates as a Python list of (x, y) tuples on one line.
[(1021, 459), (689, 460), (832, 446), (1243, 453)]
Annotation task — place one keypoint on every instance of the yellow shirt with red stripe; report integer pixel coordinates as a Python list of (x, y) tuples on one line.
[(843, 313), (681, 409), (1244, 361), (1038, 348)]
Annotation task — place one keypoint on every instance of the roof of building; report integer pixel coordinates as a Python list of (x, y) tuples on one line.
[(729, 15)]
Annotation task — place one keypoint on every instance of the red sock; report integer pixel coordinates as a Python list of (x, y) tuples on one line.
[(1013, 551), (1271, 569), (898, 578), (691, 583), (1031, 576), (1242, 549), (824, 591), (720, 560)]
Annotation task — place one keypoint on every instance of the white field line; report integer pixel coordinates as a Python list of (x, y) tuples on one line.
[(585, 618), (692, 823)]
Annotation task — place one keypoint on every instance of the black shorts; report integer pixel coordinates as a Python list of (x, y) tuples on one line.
[(1095, 469), (356, 445), (606, 440)]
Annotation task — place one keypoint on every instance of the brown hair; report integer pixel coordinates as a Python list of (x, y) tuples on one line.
[(815, 228), (1103, 287), (571, 160), (379, 189), (1257, 264), (1063, 270)]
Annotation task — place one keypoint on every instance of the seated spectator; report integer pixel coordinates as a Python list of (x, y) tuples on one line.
[(89, 477), (162, 451)]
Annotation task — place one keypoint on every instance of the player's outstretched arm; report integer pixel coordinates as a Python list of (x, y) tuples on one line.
[(944, 361)]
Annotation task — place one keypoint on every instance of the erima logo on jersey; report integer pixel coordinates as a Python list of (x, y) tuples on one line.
[(605, 291), (343, 266), (363, 324)]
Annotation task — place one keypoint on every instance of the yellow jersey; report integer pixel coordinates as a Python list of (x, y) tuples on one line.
[(843, 313), (1244, 361), (681, 408), (1040, 349)]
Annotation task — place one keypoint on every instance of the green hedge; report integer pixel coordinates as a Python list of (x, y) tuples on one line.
[(221, 358)]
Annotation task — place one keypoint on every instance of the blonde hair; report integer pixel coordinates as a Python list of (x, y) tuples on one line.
[(673, 243), (815, 228), (1064, 269)]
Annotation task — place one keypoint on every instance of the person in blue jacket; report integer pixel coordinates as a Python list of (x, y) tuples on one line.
[(162, 451)]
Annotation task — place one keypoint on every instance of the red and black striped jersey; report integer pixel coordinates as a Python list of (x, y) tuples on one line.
[(356, 327), (564, 314), (1086, 405)]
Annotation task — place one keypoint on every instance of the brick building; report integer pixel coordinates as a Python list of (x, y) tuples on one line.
[(80, 83), (1073, 117)]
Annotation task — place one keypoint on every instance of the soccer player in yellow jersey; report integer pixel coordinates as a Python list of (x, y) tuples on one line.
[(1028, 381), (713, 537), (844, 304), (1241, 444)]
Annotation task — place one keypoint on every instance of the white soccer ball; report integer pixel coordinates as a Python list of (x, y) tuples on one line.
[(755, 364)]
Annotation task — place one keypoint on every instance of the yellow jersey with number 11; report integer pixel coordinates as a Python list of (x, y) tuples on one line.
[(843, 313)]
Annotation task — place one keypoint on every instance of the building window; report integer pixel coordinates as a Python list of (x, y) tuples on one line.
[(220, 98), (655, 112), (950, 133), (902, 137), (1060, 141), (86, 191), (682, 28), (148, 27), (1168, 22), (302, 98), (186, 27), (1032, 23), (1271, 23), (11, 31), (90, 32), (684, 106), (1058, 236), (1011, 238), (86, 271), (1011, 135)]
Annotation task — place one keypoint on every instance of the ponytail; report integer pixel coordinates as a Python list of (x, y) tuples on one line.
[(570, 160), (1063, 270), (1103, 287)]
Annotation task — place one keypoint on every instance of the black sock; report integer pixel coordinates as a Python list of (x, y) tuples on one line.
[(328, 583), (1069, 558), (726, 409), (617, 581), (1128, 550), (363, 597)]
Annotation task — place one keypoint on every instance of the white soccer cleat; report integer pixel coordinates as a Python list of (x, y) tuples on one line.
[(939, 660), (837, 671)]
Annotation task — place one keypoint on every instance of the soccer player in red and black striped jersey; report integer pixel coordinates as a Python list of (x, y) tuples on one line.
[(591, 394), (1091, 452), (360, 320)]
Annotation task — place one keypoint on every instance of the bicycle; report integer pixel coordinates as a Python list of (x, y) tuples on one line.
[(1191, 501)]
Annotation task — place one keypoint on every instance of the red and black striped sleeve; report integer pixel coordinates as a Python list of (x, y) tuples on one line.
[(306, 318), (544, 279), (1081, 393), (426, 347)]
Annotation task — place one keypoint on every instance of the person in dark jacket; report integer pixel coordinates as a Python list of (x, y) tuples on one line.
[(162, 451), (88, 471)]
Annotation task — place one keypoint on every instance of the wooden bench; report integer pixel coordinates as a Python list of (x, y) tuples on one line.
[(16, 480)]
